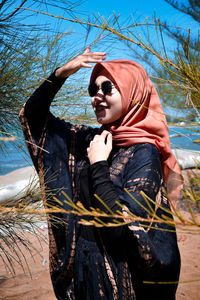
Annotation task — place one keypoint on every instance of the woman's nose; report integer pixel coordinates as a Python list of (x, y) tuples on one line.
[(100, 92), (99, 96), (97, 100)]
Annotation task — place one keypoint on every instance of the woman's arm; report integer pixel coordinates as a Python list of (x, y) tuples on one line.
[(102, 186), (37, 107), (142, 174), (151, 247)]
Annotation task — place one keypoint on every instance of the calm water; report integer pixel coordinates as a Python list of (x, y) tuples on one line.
[(17, 155), (181, 137)]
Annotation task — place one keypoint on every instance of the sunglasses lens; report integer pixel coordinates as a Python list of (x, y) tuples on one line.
[(106, 87), (93, 89)]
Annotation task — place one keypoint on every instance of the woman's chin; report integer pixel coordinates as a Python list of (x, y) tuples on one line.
[(101, 118), (101, 121), (105, 121)]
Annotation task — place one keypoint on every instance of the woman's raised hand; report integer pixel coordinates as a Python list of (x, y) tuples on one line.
[(100, 147), (81, 61)]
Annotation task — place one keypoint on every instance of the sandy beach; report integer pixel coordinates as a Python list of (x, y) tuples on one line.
[(24, 286), (35, 283)]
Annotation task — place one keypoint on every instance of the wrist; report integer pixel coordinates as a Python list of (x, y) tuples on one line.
[(59, 73), (99, 172), (96, 161), (56, 81)]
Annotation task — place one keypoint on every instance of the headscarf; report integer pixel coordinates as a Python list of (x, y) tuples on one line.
[(142, 119)]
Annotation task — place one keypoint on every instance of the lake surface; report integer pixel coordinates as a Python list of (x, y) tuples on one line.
[(16, 155)]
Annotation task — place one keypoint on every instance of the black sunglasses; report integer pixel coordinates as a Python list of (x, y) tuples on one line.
[(106, 88)]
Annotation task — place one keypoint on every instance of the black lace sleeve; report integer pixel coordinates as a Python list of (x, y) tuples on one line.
[(151, 245), (37, 107), (103, 187)]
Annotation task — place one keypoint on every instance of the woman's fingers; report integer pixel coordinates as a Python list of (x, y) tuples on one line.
[(81, 61), (109, 141), (96, 55), (87, 50), (105, 135), (86, 61), (93, 56), (92, 59), (85, 65), (100, 147)]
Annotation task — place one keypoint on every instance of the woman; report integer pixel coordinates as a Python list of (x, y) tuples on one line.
[(130, 154)]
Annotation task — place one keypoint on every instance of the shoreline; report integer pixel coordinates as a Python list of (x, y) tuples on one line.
[(14, 185), (183, 125), (34, 282)]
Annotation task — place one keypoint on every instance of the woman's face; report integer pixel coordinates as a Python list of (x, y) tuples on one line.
[(108, 108)]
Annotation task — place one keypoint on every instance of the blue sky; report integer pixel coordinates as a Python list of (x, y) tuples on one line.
[(144, 8), (139, 9)]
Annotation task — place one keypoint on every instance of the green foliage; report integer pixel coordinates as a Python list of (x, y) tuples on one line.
[(191, 7), (177, 75), (175, 69), (28, 54)]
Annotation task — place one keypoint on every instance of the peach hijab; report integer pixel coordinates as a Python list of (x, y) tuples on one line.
[(142, 119)]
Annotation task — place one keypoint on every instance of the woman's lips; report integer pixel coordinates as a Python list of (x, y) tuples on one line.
[(100, 108)]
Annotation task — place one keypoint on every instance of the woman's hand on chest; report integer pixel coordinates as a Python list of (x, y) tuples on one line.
[(100, 147)]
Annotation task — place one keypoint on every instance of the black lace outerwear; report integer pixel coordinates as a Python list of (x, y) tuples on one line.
[(127, 262)]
